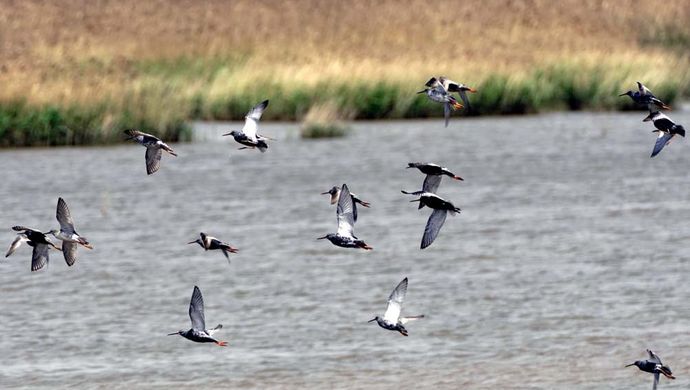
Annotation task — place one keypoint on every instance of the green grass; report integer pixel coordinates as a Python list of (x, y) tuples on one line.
[(163, 101), (24, 125)]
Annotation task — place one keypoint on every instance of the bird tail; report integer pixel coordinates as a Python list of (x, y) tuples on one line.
[(262, 146)]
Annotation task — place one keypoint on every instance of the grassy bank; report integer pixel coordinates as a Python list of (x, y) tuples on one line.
[(77, 73)]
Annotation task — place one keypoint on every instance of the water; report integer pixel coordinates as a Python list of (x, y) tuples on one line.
[(569, 259)]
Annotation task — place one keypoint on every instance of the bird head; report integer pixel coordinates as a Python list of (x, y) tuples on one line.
[(629, 93), (197, 241), (232, 133), (413, 165), (332, 191), (637, 363), (326, 236), (374, 319), (52, 231)]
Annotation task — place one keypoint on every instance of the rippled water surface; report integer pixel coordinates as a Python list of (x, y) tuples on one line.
[(570, 257)]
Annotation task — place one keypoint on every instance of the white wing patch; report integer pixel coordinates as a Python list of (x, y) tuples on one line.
[(345, 212)]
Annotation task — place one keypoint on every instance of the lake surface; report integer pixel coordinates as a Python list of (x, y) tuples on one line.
[(570, 257)]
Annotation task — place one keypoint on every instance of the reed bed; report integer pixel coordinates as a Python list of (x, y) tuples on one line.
[(80, 72)]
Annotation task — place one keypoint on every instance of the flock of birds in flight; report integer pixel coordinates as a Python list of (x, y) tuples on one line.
[(438, 90)]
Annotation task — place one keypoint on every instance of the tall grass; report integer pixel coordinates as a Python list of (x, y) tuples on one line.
[(154, 65)]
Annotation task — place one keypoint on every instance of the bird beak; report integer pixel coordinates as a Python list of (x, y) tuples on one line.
[(191, 242), (623, 94), (422, 91), (325, 193), (631, 364), (172, 334), (226, 134), (321, 238), (647, 118), (372, 320), (416, 200)]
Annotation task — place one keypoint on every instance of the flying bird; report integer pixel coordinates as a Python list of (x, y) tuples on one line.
[(36, 239), (654, 366), (198, 333), (433, 169), (335, 194), (666, 130), (344, 237), (391, 319), (436, 92), (437, 218), (211, 243), (69, 236), (433, 177), (154, 149), (248, 136), (459, 88), (644, 96)]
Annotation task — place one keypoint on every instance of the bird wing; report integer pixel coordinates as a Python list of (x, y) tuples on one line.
[(644, 90), (218, 327), (450, 85), (656, 381), (64, 217), (251, 120), (661, 141), (69, 251), (345, 212), (196, 310), (39, 257), (433, 226), (153, 159), (405, 320), (137, 133), (431, 183), (395, 301), (432, 82), (15, 245), (446, 112), (354, 210), (653, 357)]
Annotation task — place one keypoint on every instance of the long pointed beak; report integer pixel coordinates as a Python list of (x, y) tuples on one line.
[(226, 134), (321, 238), (416, 200), (172, 334), (325, 193), (191, 242), (623, 94), (422, 91), (631, 364), (372, 320)]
